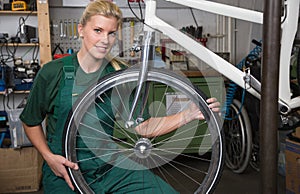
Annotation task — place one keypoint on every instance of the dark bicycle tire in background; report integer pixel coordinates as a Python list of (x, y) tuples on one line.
[(238, 135)]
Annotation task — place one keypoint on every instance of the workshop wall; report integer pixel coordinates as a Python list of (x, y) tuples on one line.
[(238, 43), (241, 36), (241, 33), (172, 15)]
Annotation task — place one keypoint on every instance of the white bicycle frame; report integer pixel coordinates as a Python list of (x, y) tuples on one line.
[(288, 27)]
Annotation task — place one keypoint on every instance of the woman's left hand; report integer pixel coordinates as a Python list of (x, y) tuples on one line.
[(214, 105), (194, 112)]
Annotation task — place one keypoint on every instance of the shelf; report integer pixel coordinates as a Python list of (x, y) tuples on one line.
[(21, 91), (16, 92), (18, 12), (43, 23), (20, 44)]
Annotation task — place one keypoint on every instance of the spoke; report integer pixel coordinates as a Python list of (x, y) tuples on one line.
[(183, 173), (104, 133), (189, 167), (202, 148), (166, 172), (103, 155), (97, 118), (189, 156), (122, 104), (182, 139), (123, 107), (106, 172), (106, 140), (180, 133), (158, 109), (93, 138), (122, 130)]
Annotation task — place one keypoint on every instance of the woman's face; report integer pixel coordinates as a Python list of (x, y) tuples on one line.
[(98, 35)]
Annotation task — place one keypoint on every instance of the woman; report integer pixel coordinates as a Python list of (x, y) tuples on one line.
[(57, 86)]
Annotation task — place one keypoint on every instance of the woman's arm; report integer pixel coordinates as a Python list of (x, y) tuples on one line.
[(162, 125), (57, 163)]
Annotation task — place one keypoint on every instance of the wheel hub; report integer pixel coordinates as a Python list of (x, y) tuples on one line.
[(143, 148)]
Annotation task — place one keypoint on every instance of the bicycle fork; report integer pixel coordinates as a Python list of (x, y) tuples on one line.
[(147, 56)]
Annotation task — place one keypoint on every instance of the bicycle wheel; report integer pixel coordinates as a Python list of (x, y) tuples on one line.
[(238, 137), (189, 159), (255, 157)]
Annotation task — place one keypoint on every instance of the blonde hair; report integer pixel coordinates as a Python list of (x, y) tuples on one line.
[(107, 9), (101, 7)]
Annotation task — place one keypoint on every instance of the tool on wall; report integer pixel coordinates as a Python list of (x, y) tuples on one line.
[(18, 6), (65, 33), (61, 29), (60, 53), (196, 33), (65, 28), (120, 37), (70, 29), (132, 52), (75, 29)]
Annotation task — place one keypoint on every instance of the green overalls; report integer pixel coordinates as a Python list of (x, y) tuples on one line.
[(110, 179)]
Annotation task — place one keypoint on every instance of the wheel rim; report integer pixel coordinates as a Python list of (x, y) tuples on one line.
[(238, 138)]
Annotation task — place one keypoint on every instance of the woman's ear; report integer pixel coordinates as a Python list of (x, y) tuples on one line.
[(80, 30)]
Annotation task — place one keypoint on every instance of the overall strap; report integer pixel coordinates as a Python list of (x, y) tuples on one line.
[(65, 103), (65, 91)]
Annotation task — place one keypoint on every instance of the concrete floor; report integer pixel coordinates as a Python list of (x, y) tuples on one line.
[(232, 183), (245, 183)]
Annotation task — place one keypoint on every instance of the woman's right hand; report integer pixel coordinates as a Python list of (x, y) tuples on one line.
[(58, 165)]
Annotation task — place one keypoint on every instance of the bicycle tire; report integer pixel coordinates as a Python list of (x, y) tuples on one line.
[(168, 156), (298, 69), (255, 155), (238, 135)]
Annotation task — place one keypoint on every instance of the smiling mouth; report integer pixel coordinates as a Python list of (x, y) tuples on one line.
[(101, 48)]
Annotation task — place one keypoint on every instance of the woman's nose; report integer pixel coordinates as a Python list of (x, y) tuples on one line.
[(104, 38)]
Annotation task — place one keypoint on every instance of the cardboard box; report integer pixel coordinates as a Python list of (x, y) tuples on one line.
[(292, 159), (20, 170), (297, 132)]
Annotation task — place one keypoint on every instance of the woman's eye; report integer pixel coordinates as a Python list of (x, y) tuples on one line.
[(113, 34), (97, 30)]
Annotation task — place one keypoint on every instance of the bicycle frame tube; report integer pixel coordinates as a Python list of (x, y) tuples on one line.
[(289, 28), (203, 53), (222, 9)]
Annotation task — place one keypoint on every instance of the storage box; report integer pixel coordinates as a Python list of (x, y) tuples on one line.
[(297, 132), (17, 133), (20, 170), (292, 157), (23, 84)]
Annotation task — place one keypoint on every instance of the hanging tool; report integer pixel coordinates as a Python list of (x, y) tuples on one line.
[(61, 29), (60, 54), (132, 52), (65, 31), (75, 32), (121, 53), (70, 29)]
